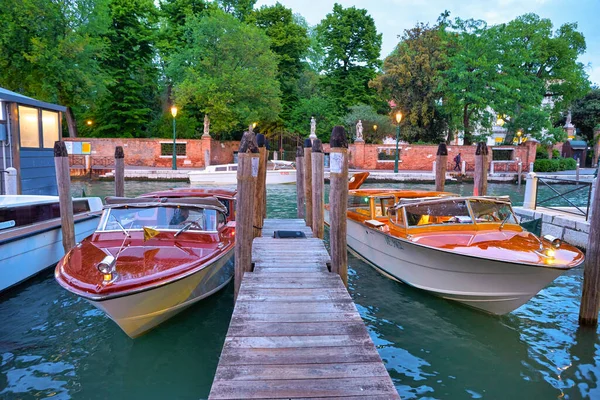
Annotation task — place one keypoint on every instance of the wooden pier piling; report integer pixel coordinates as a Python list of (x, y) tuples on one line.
[(119, 172), (63, 180), (481, 170), (247, 174), (440, 167), (260, 187), (590, 296), (308, 181), (338, 202), (318, 192), (300, 181)]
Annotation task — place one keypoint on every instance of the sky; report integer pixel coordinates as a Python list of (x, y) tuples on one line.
[(392, 17)]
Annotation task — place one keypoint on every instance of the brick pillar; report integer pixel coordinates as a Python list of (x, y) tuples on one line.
[(358, 155), (531, 147), (206, 145)]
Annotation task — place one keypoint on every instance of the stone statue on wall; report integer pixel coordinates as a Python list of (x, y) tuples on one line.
[(359, 131), (569, 124), (206, 126), (313, 128)]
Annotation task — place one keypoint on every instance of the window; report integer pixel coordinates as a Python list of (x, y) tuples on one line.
[(502, 154), (173, 218), (388, 154), (396, 216), (490, 211), (233, 168), (29, 127), (359, 204), (447, 212), (220, 169), (166, 149), (2, 111), (382, 205), (50, 128)]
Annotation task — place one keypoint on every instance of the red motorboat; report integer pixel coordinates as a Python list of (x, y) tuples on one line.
[(153, 256)]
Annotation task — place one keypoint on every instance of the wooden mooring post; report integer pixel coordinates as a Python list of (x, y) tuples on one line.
[(338, 202), (318, 192), (119, 172), (590, 296), (260, 187), (308, 181), (300, 181), (481, 170), (63, 181), (440, 167), (247, 173)]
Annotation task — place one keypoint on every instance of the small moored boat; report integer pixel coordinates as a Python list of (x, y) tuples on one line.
[(150, 258), (468, 249), (278, 172), (31, 235)]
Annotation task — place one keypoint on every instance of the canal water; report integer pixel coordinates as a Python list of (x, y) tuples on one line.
[(53, 344)]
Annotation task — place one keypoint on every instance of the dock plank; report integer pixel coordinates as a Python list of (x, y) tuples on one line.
[(295, 332)]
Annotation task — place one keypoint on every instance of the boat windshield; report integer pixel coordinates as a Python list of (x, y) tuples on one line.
[(486, 211), (446, 212), (161, 217)]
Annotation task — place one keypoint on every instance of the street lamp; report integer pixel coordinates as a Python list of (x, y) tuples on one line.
[(519, 133), (174, 114), (89, 122), (375, 129), (398, 119)]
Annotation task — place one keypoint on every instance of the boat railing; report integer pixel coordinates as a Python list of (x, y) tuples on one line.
[(572, 208)]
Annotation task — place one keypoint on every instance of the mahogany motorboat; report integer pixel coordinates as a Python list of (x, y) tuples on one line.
[(151, 257), (468, 249)]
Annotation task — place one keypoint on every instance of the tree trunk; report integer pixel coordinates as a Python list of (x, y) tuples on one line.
[(71, 125), (467, 135), (549, 150)]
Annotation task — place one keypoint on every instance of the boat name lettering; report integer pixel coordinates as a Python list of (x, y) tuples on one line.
[(254, 167), (394, 243), (7, 224)]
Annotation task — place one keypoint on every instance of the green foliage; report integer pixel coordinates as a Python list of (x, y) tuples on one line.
[(289, 42), (586, 113), (368, 117), (228, 70), (554, 165), (541, 153), (324, 111), (131, 101), (351, 45), (412, 77), (241, 9), (385, 156)]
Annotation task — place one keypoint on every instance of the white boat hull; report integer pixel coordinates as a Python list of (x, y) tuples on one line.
[(274, 177), (139, 312), (493, 286), (24, 257)]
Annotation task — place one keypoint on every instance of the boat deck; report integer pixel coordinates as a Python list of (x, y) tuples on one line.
[(295, 331)]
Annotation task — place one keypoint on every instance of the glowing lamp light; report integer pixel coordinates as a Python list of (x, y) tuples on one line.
[(174, 111), (375, 127), (254, 125), (398, 117), (89, 122), (500, 121)]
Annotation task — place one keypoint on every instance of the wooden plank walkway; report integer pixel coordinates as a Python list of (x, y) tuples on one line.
[(295, 331)]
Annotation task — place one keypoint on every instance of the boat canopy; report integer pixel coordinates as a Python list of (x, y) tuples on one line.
[(202, 202)]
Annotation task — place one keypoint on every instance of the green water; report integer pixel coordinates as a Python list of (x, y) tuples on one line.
[(53, 344)]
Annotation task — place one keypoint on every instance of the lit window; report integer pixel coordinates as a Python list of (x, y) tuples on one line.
[(29, 127), (50, 128)]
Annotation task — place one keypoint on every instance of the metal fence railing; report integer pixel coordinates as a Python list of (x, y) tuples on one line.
[(553, 201)]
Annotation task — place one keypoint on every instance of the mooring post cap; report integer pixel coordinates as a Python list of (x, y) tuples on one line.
[(338, 137), (317, 146), (307, 143), (442, 150), (299, 151), (119, 153), (260, 140), (60, 149), (248, 143)]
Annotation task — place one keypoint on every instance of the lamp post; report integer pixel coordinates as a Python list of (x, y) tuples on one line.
[(398, 119), (174, 114)]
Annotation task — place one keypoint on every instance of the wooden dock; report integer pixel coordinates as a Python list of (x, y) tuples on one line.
[(295, 331)]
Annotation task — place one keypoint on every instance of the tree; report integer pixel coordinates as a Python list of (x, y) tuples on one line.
[(240, 9), (289, 42), (50, 50), (369, 118), (322, 109), (412, 78), (131, 102), (352, 46), (228, 70), (586, 114)]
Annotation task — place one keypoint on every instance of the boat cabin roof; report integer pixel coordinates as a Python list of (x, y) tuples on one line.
[(201, 202), (380, 192)]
